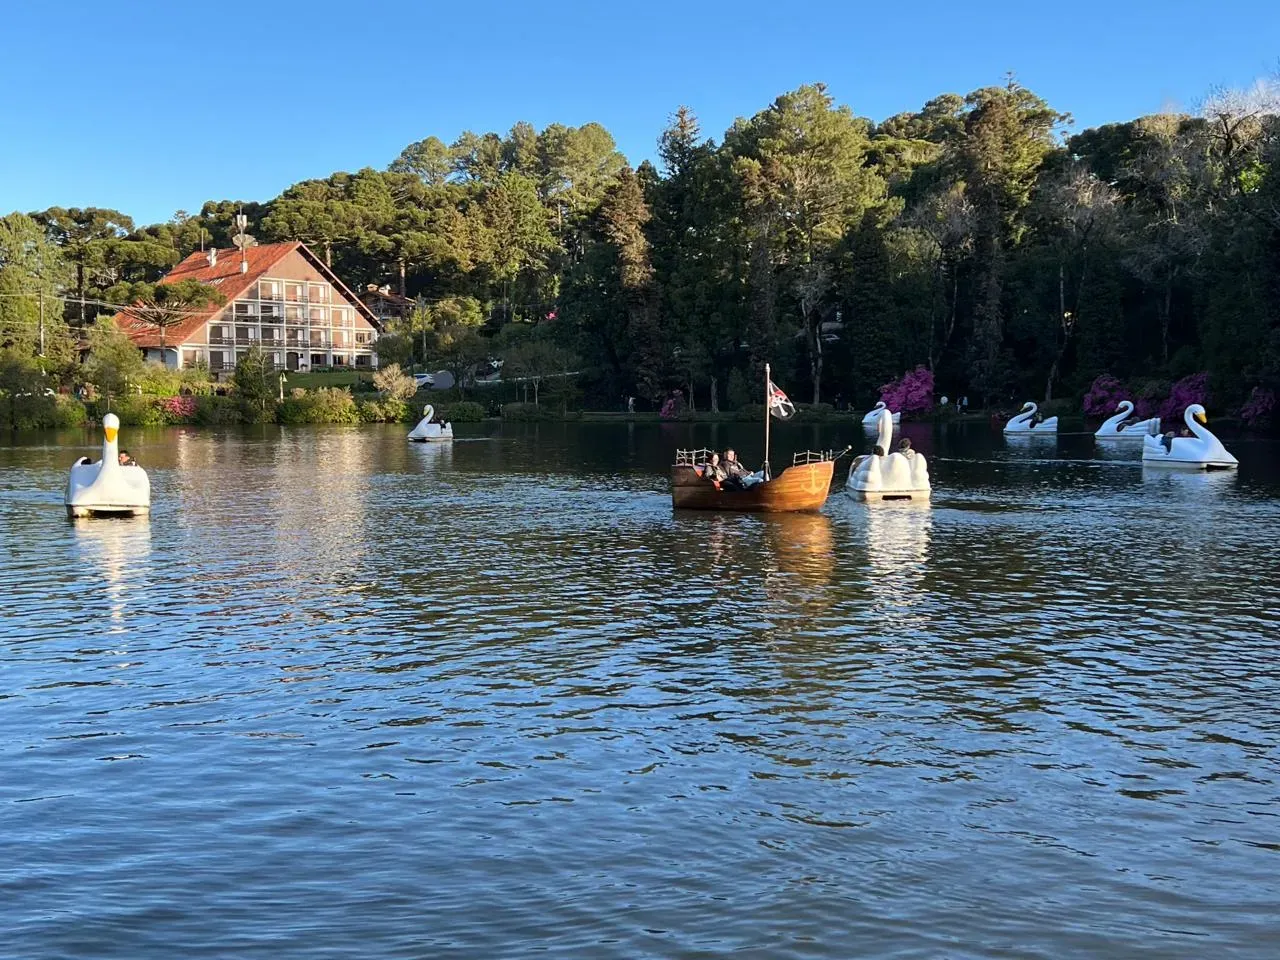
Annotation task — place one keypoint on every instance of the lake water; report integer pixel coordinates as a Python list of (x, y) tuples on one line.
[(345, 696)]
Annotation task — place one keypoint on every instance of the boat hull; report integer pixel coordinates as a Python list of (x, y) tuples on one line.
[(801, 488)]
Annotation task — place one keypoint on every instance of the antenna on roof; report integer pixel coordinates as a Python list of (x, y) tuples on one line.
[(243, 241)]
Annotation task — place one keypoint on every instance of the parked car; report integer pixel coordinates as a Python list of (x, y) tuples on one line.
[(424, 379)]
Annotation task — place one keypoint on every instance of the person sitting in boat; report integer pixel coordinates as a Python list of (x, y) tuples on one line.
[(735, 473), (713, 470), (1167, 440), (125, 460), (904, 448)]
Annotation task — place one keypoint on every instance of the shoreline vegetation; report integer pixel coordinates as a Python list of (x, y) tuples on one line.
[(977, 247)]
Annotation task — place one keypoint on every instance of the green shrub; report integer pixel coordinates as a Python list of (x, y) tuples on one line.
[(215, 411), (138, 411), (326, 405), (36, 411), (383, 411), (157, 380), (524, 412), (811, 411), (68, 412), (465, 411)]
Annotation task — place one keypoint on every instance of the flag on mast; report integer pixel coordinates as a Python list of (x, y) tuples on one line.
[(779, 405)]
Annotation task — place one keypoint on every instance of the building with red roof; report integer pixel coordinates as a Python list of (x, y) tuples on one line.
[(280, 297)]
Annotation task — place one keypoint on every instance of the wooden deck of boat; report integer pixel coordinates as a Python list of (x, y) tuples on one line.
[(803, 487)]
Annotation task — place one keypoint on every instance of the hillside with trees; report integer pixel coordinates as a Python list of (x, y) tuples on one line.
[(980, 238)]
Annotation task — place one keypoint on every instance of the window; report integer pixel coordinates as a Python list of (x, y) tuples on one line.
[(270, 311), (294, 291), (319, 292), (293, 315), (363, 360), (319, 315), (244, 308), (217, 359), (339, 360), (318, 360), (362, 336), (268, 289), (190, 358)]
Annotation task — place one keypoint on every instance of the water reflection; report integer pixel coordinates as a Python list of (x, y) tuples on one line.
[(1127, 451), (802, 544), (1189, 483), (119, 551), (509, 676), (1040, 444), (898, 535)]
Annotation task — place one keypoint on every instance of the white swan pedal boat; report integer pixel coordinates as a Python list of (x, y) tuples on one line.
[(1024, 422), (1115, 427), (872, 420), (106, 488), (892, 476), (428, 432), (1200, 451)]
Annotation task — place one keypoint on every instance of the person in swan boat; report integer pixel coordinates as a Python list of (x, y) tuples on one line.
[(125, 460), (904, 448)]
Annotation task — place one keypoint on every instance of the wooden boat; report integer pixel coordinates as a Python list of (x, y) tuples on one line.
[(801, 487)]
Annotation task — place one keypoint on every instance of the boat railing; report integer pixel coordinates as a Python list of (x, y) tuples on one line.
[(693, 458), (812, 456)]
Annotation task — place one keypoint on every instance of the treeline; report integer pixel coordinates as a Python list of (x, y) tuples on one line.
[(977, 237)]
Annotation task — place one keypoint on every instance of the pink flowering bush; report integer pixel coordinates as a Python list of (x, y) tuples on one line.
[(1188, 390), (910, 393), (1260, 408), (1105, 394), (178, 409)]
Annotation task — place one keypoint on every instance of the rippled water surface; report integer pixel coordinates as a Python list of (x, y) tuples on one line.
[(342, 696)]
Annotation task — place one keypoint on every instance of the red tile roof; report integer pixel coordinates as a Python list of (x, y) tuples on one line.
[(226, 277)]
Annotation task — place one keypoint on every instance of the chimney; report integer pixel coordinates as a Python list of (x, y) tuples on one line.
[(244, 265), (213, 256)]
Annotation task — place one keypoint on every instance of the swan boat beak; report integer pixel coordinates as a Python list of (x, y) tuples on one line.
[(111, 433), (1202, 419)]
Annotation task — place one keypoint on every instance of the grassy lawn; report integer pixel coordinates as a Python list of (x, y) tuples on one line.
[(313, 381)]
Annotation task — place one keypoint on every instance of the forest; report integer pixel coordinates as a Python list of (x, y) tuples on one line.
[(981, 238)]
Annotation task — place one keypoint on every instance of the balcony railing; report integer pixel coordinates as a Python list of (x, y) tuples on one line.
[(221, 341)]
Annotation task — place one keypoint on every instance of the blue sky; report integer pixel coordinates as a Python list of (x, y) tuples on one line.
[(152, 107)]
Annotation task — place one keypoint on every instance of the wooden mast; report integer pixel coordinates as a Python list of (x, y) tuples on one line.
[(768, 399)]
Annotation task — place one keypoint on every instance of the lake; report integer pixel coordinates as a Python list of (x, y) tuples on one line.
[(346, 696)]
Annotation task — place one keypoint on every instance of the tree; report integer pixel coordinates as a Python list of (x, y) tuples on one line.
[(430, 160), (159, 306), (535, 361), (394, 383), (85, 236), (255, 382), (114, 362), (800, 164), (32, 272)]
